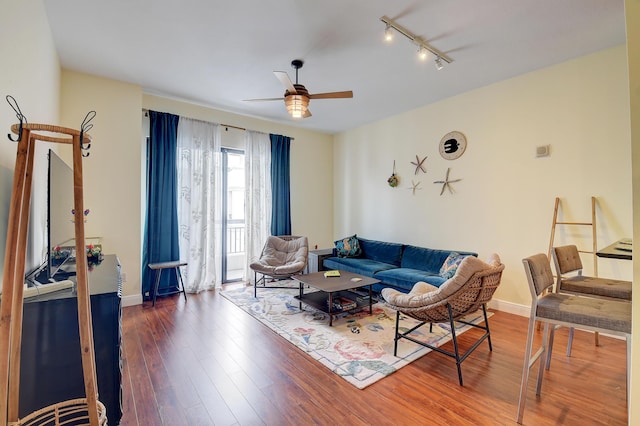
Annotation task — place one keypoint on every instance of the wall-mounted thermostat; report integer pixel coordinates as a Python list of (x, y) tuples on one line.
[(543, 151)]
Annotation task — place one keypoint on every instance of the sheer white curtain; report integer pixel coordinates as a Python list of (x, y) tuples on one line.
[(200, 203), (257, 157)]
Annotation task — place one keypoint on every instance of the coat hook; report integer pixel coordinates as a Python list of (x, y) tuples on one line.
[(85, 127), (21, 117)]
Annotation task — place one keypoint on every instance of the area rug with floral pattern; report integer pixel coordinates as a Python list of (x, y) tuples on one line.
[(358, 347)]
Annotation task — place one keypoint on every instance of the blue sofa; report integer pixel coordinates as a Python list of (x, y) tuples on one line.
[(396, 265)]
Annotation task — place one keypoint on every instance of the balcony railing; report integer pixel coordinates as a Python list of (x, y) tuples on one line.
[(235, 236)]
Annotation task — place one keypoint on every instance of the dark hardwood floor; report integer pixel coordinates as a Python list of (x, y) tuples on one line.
[(205, 362)]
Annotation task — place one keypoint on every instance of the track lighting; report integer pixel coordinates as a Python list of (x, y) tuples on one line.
[(423, 46)]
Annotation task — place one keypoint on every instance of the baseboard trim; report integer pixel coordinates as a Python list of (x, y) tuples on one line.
[(133, 300), (510, 307)]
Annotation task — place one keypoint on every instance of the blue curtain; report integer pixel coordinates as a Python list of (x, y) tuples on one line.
[(161, 224), (280, 183)]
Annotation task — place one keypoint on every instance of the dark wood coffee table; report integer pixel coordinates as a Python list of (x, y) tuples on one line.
[(333, 287)]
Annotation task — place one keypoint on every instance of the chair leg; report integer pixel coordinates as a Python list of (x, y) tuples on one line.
[(486, 323), (255, 284), (525, 370), (570, 341), (550, 349), (628, 339), (545, 342), (455, 344), (181, 283), (155, 290), (397, 337)]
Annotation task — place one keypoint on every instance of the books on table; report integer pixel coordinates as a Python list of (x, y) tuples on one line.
[(333, 273), (342, 304)]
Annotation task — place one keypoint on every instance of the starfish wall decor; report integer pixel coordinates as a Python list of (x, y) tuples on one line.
[(414, 186), (419, 164), (446, 183)]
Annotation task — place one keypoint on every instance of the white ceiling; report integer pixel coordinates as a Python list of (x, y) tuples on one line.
[(218, 53)]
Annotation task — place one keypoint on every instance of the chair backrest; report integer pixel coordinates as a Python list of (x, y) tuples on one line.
[(472, 286), (477, 291), (539, 274), (567, 259), (286, 248)]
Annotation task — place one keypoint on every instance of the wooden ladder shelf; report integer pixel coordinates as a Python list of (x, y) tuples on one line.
[(88, 410), (592, 224)]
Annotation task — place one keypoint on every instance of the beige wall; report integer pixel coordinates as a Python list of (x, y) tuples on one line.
[(30, 72), (632, 12), (504, 202), (112, 189)]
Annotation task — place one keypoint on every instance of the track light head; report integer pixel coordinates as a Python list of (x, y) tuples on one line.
[(439, 65), (388, 33), (423, 53)]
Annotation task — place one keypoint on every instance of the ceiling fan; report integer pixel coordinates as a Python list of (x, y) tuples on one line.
[(296, 97)]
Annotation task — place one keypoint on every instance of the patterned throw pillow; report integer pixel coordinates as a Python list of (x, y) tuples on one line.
[(450, 265), (348, 247)]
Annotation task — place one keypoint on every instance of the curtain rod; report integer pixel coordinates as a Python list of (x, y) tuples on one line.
[(146, 114), (233, 127)]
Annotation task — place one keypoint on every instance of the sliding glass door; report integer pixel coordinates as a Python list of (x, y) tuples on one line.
[(233, 223)]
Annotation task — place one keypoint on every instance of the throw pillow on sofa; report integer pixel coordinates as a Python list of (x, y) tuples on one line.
[(348, 247), (450, 265)]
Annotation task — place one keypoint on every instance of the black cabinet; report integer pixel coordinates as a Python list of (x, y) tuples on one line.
[(316, 257), (50, 361)]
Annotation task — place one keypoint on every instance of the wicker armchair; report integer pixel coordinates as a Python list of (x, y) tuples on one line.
[(282, 257), (467, 291)]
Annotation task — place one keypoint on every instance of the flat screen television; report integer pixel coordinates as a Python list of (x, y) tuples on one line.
[(60, 226)]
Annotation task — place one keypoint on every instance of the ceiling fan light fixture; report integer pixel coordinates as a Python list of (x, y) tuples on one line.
[(439, 64), (297, 105)]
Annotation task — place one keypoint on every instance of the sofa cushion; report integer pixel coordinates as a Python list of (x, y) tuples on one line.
[(427, 259), (450, 265), (381, 251), (405, 278), (359, 265), (348, 247)]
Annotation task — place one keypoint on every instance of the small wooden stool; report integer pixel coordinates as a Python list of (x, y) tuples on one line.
[(159, 267)]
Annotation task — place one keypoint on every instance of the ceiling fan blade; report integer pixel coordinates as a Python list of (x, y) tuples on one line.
[(286, 81), (307, 114), (332, 95), (260, 100)]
